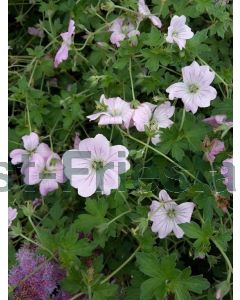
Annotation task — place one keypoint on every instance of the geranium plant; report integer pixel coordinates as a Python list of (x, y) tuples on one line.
[(120, 149)]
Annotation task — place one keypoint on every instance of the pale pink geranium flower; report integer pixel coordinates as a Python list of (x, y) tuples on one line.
[(47, 173), (122, 30), (31, 146), (218, 120), (195, 90), (12, 214), (216, 147), (227, 170), (100, 164), (179, 32), (62, 53), (142, 115), (166, 215), (114, 111), (145, 13), (153, 118)]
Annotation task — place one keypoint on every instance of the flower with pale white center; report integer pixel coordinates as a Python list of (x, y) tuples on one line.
[(115, 111), (121, 31), (195, 90), (145, 13), (12, 214), (62, 53), (179, 32), (31, 146), (166, 215), (154, 118), (47, 173), (98, 165)]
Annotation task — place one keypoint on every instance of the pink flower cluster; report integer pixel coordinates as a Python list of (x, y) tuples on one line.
[(39, 164), (146, 116), (166, 215)]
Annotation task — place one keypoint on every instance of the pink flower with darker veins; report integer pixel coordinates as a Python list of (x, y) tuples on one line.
[(32, 146), (145, 13), (62, 53), (114, 111), (122, 30), (47, 173), (179, 32), (12, 214), (102, 162), (195, 90), (153, 118), (166, 215), (218, 120), (216, 146), (227, 170)]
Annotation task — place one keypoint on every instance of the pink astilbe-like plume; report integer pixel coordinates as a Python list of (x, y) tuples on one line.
[(33, 277)]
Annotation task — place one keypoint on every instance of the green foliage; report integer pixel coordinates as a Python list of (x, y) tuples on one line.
[(166, 279), (95, 239)]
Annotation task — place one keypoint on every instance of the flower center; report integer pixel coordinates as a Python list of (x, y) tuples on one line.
[(171, 213), (193, 88), (153, 126), (115, 112), (125, 29), (175, 33), (97, 164), (46, 174)]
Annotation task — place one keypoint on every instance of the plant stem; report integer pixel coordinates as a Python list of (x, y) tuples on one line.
[(230, 268), (120, 267), (145, 154), (213, 177), (126, 9), (161, 154), (119, 216), (76, 296), (39, 245), (89, 292), (183, 118), (131, 79)]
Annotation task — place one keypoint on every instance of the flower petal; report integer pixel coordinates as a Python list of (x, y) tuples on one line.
[(18, 156), (30, 141), (47, 186), (184, 212), (156, 21), (177, 90)]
